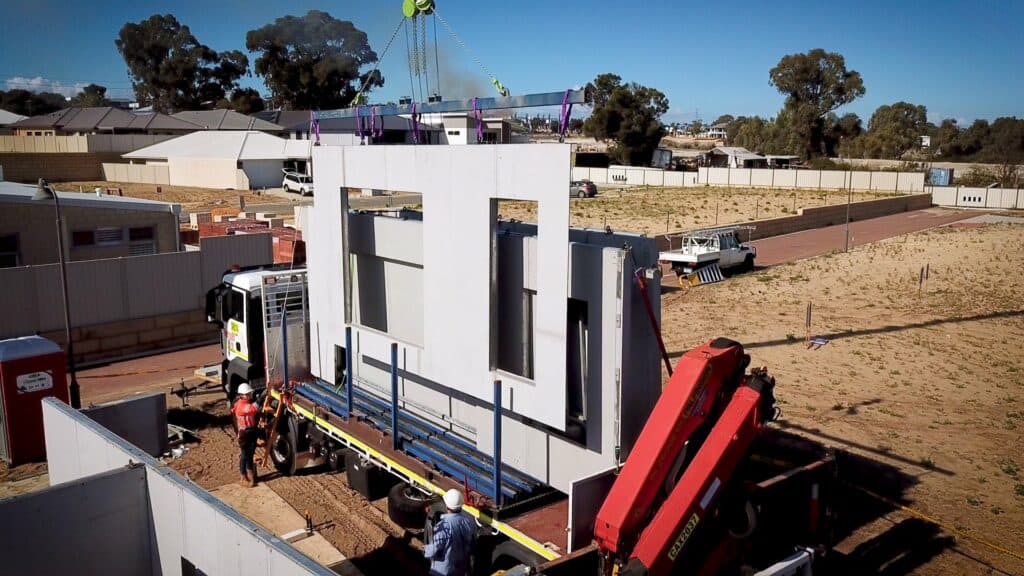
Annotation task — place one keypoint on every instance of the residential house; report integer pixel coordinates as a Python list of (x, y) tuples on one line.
[(229, 160), (716, 132), (8, 118), (226, 120), (733, 157), (94, 226), (100, 120)]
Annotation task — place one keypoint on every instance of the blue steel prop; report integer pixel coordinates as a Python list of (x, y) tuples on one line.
[(448, 453)]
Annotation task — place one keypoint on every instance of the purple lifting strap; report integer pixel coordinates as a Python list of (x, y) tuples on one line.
[(564, 117), (414, 123), (478, 115)]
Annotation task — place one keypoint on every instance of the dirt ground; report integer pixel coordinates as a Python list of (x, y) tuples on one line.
[(654, 211), (361, 530), (191, 199), (932, 384)]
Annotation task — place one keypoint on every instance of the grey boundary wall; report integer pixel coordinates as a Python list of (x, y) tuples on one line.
[(186, 521)]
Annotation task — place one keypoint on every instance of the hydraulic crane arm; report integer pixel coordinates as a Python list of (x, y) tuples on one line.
[(702, 376), (693, 498)]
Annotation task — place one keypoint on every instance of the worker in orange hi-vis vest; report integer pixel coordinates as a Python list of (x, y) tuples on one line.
[(245, 411)]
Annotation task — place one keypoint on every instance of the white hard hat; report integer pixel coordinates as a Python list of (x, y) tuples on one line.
[(245, 388), (453, 499)]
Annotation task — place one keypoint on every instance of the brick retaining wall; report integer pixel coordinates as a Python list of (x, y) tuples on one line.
[(143, 335), (822, 216)]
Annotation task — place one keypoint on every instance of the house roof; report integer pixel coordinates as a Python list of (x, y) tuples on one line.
[(226, 120), (9, 117), (737, 151), (231, 144), (14, 193), (299, 120), (103, 118)]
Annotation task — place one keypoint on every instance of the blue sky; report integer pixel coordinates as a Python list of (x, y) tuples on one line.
[(962, 60)]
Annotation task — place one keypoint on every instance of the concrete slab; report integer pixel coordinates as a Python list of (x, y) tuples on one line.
[(264, 507), (993, 219)]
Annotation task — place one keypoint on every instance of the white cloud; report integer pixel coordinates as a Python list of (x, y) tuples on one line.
[(40, 84)]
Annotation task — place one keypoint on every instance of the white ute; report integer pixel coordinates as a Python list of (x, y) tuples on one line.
[(721, 247)]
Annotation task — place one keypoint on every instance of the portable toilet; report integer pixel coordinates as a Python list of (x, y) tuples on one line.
[(31, 368)]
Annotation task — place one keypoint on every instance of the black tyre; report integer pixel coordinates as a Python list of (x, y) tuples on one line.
[(748, 263), (407, 506), (508, 554), (581, 194), (282, 452)]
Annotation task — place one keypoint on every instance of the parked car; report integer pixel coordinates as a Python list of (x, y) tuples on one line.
[(582, 189), (295, 182)]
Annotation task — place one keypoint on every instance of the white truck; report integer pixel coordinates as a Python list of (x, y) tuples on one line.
[(720, 247)]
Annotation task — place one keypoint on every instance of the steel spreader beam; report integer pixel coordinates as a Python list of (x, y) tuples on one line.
[(524, 101)]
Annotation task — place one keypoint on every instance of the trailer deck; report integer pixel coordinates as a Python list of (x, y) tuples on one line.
[(537, 520)]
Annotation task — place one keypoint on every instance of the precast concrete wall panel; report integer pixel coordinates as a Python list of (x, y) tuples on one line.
[(187, 522), (833, 180), (808, 178), (581, 173), (219, 253), (860, 180), (140, 420), (94, 527), (674, 179), (654, 177), (163, 283), (943, 196), (785, 178), (459, 185), (740, 176), (634, 177), (884, 181), (599, 175), (761, 177)]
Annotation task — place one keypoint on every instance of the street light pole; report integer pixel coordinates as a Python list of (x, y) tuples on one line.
[(46, 191), (849, 198)]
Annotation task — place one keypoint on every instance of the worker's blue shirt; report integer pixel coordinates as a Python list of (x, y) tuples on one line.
[(452, 545)]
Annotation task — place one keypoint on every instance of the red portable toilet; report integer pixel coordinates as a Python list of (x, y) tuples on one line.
[(31, 368)]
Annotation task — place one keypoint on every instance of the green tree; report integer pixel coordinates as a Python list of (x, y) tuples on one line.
[(246, 101), (840, 130), (896, 129), (171, 70), (313, 61), (27, 103), (724, 119), (815, 83), (91, 96), (627, 114)]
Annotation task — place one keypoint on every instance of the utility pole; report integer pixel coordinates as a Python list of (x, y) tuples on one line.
[(849, 199)]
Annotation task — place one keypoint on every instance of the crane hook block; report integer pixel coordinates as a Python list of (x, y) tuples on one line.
[(412, 8), (499, 87)]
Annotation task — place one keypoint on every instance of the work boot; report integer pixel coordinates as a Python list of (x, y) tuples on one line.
[(252, 484), (244, 480)]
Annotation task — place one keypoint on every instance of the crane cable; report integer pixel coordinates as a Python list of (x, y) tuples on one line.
[(494, 80), (376, 65)]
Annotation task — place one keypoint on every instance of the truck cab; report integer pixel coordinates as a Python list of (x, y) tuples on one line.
[(236, 306)]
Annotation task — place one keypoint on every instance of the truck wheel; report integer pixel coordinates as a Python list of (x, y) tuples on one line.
[(748, 263), (282, 453), (407, 506), (509, 554)]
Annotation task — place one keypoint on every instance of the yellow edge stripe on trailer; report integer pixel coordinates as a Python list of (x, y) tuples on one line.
[(391, 464)]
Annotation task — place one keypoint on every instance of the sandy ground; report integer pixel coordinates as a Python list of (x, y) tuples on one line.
[(932, 383), (659, 210), (191, 199), (361, 530)]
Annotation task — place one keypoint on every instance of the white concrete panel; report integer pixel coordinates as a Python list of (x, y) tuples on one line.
[(861, 180), (785, 178), (761, 177), (599, 175), (202, 172), (943, 196), (674, 178), (61, 447), (654, 177), (580, 173), (617, 176), (325, 262), (833, 180), (634, 177), (808, 178), (741, 176), (201, 535), (885, 181)]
